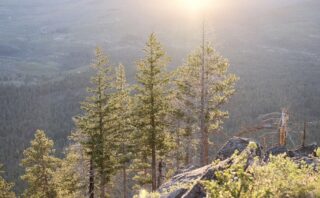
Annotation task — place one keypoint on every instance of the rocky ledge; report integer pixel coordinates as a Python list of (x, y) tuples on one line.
[(186, 183)]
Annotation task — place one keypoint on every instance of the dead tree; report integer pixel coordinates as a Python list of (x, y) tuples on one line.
[(275, 123), (304, 134), (283, 127)]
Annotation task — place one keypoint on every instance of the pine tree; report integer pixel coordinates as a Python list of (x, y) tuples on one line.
[(181, 125), (96, 123), (5, 187), (205, 85), (121, 107), (40, 164), (153, 104), (71, 177)]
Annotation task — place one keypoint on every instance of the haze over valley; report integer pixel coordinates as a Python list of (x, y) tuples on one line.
[(46, 48)]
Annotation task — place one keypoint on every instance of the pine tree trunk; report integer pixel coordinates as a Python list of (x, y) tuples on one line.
[(124, 182), (188, 152), (102, 175), (187, 158), (153, 138), (202, 107), (154, 168), (153, 156), (161, 173), (45, 182), (206, 146), (202, 141), (124, 172), (178, 157), (91, 180), (102, 186)]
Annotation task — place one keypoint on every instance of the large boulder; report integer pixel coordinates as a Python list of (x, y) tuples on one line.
[(277, 150), (178, 185), (233, 144), (186, 184), (305, 154), (304, 151)]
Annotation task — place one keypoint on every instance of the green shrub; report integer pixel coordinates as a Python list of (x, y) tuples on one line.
[(318, 152), (280, 177)]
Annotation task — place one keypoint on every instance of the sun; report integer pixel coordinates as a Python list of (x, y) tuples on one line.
[(196, 5)]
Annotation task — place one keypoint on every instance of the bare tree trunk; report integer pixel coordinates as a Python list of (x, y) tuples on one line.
[(91, 179), (283, 127), (124, 181), (202, 104), (304, 134)]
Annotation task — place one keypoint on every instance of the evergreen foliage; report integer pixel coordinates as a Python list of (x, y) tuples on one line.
[(40, 165), (318, 152), (5, 187), (96, 124), (121, 105), (280, 177), (152, 108), (204, 85), (71, 176)]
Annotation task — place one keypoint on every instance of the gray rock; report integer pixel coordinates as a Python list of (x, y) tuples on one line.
[(308, 150), (276, 151), (235, 143), (196, 190), (175, 193), (168, 189), (306, 154), (186, 183)]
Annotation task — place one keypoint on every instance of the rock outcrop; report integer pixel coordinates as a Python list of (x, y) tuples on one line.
[(186, 184), (235, 143)]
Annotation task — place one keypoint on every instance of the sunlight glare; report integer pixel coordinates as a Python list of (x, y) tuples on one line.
[(196, 5)]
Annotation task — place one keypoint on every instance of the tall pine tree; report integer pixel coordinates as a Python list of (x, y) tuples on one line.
[(204, 85), (95, 124), (40, 164), (153, 104), (182, 124), (71, 177), (121, 107)]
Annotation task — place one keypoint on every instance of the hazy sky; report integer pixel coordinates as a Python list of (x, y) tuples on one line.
[(34, 33)]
